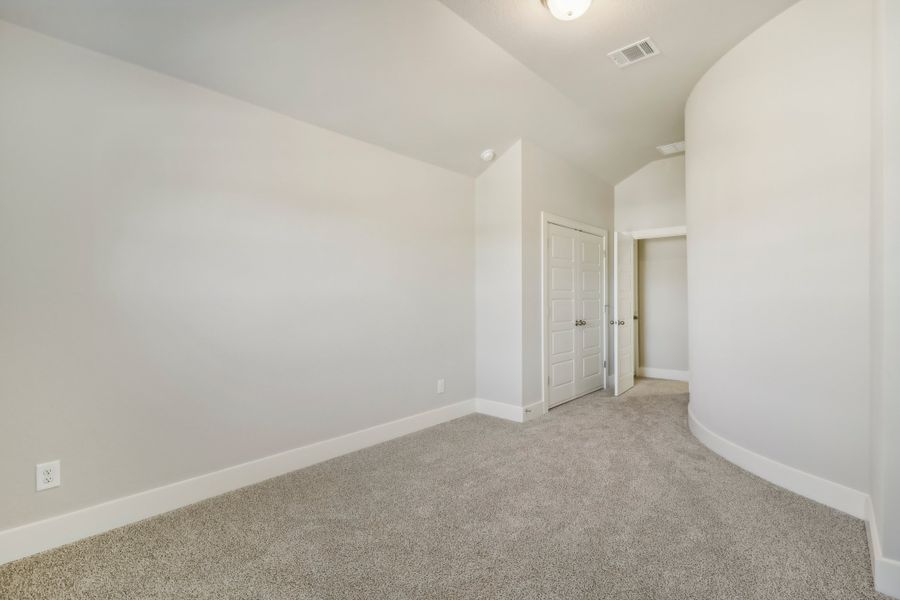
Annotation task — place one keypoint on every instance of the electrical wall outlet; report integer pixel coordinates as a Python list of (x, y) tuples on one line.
[(440, 386), (47, 475)]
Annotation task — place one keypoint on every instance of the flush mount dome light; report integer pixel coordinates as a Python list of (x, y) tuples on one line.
[(567, 10)]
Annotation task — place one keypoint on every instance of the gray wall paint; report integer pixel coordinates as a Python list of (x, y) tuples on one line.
[(662, 303), (886, 280), (510, 197), (498, 283), (552, 185), (652, 197), (190, 282), (778, 251)]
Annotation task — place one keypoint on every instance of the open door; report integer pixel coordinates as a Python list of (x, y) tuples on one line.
[(623, 313)]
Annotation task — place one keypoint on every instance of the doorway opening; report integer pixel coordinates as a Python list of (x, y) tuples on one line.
[(650, 314)]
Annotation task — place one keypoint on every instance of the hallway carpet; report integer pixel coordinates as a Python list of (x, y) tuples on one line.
[(601, 498)]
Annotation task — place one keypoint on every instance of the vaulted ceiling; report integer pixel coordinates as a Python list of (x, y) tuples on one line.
[(435, 80)]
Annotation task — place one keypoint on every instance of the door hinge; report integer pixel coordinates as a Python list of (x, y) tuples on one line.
[(604, 364), (548, 380)]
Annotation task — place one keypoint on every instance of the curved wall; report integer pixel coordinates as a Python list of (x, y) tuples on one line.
[(778, 182)]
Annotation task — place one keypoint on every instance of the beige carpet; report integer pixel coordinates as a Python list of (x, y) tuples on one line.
[(602, 498)]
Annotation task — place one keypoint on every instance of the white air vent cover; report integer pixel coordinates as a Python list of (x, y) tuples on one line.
[(673, 148), (633, 53)]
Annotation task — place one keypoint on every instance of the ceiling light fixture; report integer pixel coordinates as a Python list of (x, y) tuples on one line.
[(488, 155), (567, 10)]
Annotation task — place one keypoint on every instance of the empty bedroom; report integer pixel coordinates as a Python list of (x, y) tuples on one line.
[(449, 299)]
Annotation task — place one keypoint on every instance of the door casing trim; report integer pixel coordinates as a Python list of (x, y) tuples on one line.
[(548, 219)]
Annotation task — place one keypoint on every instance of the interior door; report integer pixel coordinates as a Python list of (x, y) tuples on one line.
[(623, 313), (575, 279), (590, 285), (561, 301)]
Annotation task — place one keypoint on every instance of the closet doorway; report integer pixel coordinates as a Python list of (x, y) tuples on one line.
[(575, 310)]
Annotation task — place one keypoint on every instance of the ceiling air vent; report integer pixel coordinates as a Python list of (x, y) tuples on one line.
[(673, 148), (633, 53)]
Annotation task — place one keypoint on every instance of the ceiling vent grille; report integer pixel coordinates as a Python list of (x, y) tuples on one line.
[(632, 53), (673, 148)]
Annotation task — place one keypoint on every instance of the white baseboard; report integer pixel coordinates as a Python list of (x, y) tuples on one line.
[(32, 538), (672, 374), (501, 410), (885, 571), (533, 411), (510, 412), (829, 493)]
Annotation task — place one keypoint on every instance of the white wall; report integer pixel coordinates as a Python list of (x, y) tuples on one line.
[(886, 287), (662, 303), (552, 185), (652, 197), (778, 195), (498, 281), (510, 196), (189, 282)]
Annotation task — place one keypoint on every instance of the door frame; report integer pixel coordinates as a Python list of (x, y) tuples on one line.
[(661, 232), (647, 234), (548, 219)]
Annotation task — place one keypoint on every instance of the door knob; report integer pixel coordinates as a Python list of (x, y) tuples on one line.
[(621, 322)]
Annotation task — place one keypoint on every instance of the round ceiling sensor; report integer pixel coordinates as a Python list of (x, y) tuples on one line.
[(567, 10), (488, 155)]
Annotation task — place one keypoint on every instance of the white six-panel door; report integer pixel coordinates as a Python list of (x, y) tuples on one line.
[(623, 314), (575, 282), (592, 260)]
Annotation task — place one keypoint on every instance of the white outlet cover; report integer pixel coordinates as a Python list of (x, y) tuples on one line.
[(47, 475), (440, 386)]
